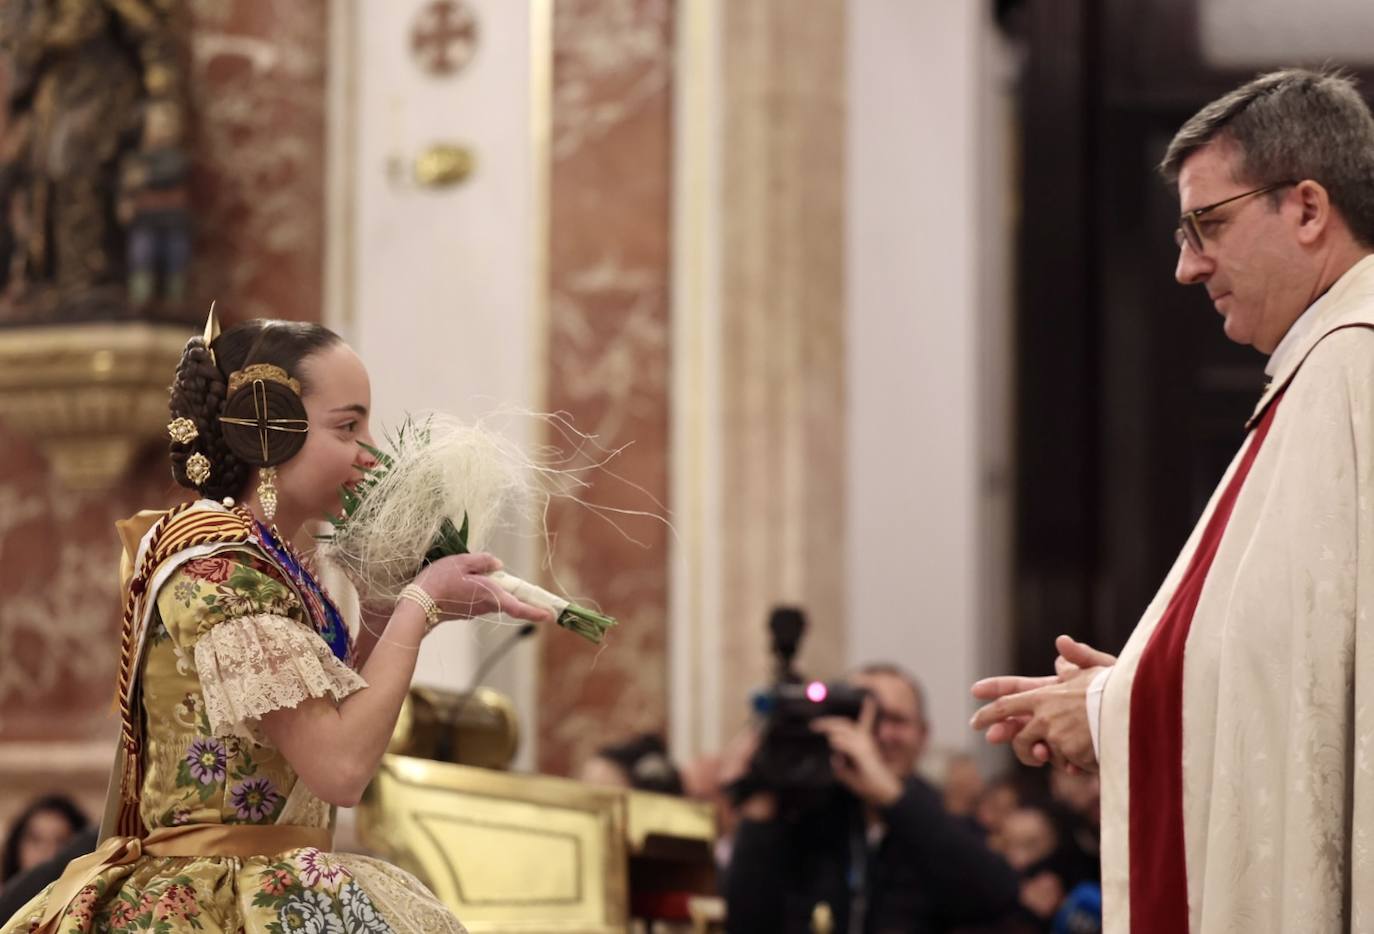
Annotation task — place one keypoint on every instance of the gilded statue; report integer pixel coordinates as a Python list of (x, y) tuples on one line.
[(94, 223)]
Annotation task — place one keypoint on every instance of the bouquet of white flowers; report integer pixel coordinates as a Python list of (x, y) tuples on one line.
[(440, 489)]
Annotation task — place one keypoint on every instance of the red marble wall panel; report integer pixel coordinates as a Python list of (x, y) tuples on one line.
[(257, 91), (257, 87), (608, 363), (59, 595)]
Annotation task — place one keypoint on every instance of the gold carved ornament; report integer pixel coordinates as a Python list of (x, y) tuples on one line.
[(182, 430), (272, 391), (258, 375), (198, 468)]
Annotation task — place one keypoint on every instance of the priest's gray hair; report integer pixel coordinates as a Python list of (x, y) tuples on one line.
[(1293, 124)]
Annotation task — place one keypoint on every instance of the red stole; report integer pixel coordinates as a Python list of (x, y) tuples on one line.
[(1159, 878)]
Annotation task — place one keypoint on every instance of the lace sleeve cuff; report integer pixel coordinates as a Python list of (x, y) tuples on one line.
[(252, 665)]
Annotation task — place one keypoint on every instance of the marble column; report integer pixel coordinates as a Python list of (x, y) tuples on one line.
[(608, 345), (782, 533)]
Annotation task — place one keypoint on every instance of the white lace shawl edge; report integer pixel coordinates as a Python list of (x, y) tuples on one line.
[(252, 665)]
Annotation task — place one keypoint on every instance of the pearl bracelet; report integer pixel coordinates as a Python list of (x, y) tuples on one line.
[(417, 595)]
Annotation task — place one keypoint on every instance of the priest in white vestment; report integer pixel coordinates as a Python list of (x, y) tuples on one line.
[(1234, 735)]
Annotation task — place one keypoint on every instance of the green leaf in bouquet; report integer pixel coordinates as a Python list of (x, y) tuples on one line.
[(586, 623), (449, 541), (352, 497), (384, 459)]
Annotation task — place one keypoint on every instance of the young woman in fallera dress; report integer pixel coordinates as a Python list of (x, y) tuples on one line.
[(247, 709)]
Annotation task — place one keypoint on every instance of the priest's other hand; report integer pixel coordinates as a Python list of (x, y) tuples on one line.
[(1074, 656), (1049, 722), (856, 759)]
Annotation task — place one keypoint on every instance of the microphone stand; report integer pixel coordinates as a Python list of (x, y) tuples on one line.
[(444, 749)]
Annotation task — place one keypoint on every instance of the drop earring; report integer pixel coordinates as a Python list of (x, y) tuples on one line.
[(267, 493)]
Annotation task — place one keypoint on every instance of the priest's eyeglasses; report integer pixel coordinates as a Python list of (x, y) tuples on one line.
[(1189, 229)]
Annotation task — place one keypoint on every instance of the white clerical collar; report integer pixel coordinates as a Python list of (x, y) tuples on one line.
[(1295, 334)]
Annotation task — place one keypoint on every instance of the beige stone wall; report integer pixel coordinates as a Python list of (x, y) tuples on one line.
[(782, 350)]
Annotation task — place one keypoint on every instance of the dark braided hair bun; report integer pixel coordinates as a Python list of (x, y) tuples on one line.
[(198, 394), (200, 386)]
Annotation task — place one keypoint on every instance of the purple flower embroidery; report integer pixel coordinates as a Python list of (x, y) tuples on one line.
[(320, 870), (254, 799), (205, 759)]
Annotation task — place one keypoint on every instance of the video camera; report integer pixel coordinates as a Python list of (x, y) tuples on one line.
[(793, 760)]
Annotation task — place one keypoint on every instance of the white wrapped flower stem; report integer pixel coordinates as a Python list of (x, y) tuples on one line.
[(586, 623)]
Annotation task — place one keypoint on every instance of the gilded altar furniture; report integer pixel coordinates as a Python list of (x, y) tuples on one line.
[(527, 853), (531, 853)]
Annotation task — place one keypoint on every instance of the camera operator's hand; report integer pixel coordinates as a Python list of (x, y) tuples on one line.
[(760, 807), (857, 762)]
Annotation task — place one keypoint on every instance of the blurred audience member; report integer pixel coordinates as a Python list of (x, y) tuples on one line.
[(1029, 840), (38, 833), (999, 798), (1027, 837), (640, 763), (1077, 798), (963, 785), (1059, 888), (16, 893), (1079, 792)]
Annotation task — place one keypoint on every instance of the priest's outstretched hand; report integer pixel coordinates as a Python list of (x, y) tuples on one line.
[(1045, 719)]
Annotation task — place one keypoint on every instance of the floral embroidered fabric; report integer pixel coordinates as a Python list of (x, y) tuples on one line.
[(228, 642)]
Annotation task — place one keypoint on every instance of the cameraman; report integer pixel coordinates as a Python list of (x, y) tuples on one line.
[(881, 846)]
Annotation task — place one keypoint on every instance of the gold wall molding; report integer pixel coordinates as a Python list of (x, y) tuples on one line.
[(91, 396)]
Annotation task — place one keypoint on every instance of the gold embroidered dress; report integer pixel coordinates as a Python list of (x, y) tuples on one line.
[(230, 636)]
